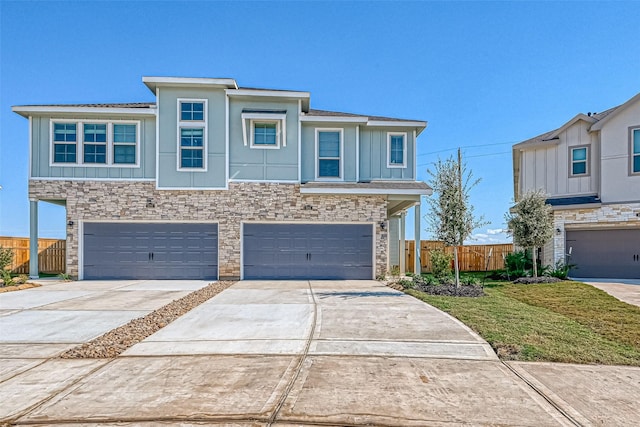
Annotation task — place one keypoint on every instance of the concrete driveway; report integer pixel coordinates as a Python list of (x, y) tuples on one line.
[(627, 290), (303, 353)]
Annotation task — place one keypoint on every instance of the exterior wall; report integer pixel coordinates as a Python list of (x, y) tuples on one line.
[(111, 201), (548, 168), (168, 174), (394, 241), (374, 155), (617, 184), (607, 216), (246, 163), (41, 151), (309, 157)]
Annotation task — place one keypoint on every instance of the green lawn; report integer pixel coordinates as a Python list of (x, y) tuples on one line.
[(560, 322)]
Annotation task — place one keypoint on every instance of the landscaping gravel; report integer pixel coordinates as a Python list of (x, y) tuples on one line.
[(120, 339)]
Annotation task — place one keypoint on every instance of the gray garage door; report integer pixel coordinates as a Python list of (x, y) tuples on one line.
[(150, 251), (605, 253), (308, 251)]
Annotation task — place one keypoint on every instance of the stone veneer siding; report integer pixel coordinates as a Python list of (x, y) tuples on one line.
[(112, 201), (608, 216)]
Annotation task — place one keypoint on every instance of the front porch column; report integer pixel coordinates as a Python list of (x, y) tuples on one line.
[(416, 262), (402, 255), (33, 238)]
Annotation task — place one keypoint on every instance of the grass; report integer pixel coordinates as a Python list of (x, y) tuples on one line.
[(567, 322)]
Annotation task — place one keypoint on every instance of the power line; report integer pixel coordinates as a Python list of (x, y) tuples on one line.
[(477, 155), (468, 146)]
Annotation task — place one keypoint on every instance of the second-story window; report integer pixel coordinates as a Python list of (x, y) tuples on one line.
[(65, 143), (124, 143), (192, 134), (329, 147), (95, 143), (396, 150), (265, 134), (579, 161), (635, 151)]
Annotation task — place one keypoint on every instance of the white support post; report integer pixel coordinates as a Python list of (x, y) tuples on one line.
[(402, 255), (416, 261), (33, 239)]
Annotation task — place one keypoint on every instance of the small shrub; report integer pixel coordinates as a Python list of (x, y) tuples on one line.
[(440, 264), (6, 257), (467, 279), (406, 284), (395, 271), (21, 279), (561, 270), (64, 276), (7, 280), (379, 277)]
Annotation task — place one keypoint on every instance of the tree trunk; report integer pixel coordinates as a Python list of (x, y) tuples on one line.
[(456, 266), (535, 262)]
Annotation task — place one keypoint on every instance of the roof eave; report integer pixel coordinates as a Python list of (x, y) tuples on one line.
[(29, 110), (598, 125), (154, 82)]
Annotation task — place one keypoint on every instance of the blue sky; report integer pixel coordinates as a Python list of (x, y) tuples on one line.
[(484, 75)]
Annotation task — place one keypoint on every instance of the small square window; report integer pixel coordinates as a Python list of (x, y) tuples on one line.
[(65, 143), (192, 111), (265, 134), (579, 161)]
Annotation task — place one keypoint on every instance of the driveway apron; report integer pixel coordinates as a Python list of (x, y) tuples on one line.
[(305, 353)]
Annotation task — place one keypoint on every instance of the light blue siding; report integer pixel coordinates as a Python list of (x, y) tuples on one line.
[(265, 164), (394, 241), (41, 151), (374, 155), (309, 155), (168, 174)]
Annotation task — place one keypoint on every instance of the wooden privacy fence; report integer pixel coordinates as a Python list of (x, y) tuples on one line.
[(51, 254), (471, 257)]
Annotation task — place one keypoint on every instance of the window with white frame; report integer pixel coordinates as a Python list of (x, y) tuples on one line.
[(635, 151), (102, 143), (65, 142), (192, 134), (579, 161), (95, 143), (264, 129), (397, 150), (329, 153)]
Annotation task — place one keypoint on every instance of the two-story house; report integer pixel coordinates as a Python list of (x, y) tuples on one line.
[(213, 180), (590, 169)]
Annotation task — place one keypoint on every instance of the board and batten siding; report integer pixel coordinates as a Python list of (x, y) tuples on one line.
[(264, 164), (618, 185), (548, 167), (309, 149), (374, 155), (41, 150), (215, 175)]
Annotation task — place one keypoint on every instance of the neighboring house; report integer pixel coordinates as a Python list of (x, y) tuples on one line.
[(590, 169), (216, 181)]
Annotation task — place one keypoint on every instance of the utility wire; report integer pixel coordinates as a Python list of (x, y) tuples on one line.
[(468, 146)]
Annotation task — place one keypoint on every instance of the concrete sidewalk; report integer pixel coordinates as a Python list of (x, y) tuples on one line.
[(314, 353)]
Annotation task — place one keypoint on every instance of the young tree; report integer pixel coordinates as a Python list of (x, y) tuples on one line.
[(451, 217), (530, 222)]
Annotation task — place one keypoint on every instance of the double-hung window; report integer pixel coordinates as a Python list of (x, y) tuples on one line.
[(635, 151), (95, 143), (397, 150), (65, 142), (192, 134), (580, 161), (329, 153), (124, 143)]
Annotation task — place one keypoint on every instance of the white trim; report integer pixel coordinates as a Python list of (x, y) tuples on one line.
[(381, 191), (109, 144), (83, 110), (374, 240), (80, 250), (341, 158), (31, 146), (193, 124), (153, 82), (357, 153), (415, 156), (157, 153), (332, 119), (404, 150), (226, 142), (396, 123), (269, 93), (281, 129), (373, 237), (299, 141), (191, 188), (277, 181), (62, 178)]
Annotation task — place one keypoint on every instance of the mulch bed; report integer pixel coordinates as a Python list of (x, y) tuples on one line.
[(11, 288), (120, 339), (450, 290), (534, 280)]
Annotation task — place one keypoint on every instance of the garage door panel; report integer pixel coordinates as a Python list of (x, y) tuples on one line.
[(307, 251), (604, 253), (150, 251)]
